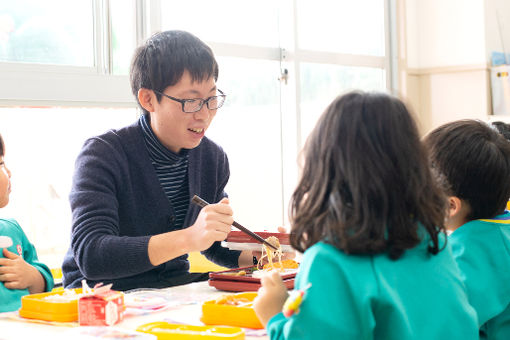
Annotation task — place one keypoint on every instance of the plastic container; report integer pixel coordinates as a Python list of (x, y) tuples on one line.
[(231, 315), (102, 332), (38, 306), (164, 330)]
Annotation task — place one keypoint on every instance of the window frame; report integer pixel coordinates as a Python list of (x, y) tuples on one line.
[(33, 84), (27, 84)]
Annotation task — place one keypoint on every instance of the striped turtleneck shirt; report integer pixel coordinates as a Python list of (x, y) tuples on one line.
[(172, 172)]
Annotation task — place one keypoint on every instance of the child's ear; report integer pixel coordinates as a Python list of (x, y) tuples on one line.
[(454, 205), (146, 98), (458, 210)]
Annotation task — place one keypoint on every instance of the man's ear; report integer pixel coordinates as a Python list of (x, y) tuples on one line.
[(146, 98), (454, 205)]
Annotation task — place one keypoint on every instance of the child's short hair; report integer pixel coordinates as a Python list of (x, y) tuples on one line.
[(164, 57), (366, 185), (502, 128), (472, 162)]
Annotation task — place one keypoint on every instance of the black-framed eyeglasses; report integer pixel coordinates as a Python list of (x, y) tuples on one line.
[(195, 105)]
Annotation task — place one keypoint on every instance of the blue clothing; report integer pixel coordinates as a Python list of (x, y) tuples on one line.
[(356, 297), (11, 298), (482, 251), (118, 204), (171, 169)]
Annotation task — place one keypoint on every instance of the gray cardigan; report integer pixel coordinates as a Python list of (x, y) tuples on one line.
[(118, 203)]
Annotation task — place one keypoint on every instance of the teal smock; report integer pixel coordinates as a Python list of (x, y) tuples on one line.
[(10, 299), (482, 251), (418, 296)]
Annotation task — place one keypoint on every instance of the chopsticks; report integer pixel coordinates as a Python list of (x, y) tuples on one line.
[(201, 203)]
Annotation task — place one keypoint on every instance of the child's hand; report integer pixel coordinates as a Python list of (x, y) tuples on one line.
[(15, 273), (271, 297)]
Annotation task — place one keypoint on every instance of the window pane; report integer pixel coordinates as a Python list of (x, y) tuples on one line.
[(238, 22), (321, 83), (123, 34), (343, 26), (248, 128), (49, 32), (41, 147)]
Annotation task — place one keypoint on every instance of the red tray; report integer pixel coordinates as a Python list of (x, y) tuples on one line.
[(239, 286), (240, 237), (223, 281)]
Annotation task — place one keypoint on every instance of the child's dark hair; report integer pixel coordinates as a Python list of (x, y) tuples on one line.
[(472, 162), (164, 57), (502, 128), (366, 186), (2, 147)]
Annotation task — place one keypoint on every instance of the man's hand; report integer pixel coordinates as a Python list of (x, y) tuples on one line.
[(213, 224)]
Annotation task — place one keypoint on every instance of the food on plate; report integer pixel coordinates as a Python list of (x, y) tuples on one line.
[(270, 254), (66, 296), (233, 300), (239, 273), (285, 264)]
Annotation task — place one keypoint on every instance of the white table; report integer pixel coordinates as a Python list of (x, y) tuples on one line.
[(188, 312)]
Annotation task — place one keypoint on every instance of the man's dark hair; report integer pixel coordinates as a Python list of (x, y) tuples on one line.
[(164, 57)]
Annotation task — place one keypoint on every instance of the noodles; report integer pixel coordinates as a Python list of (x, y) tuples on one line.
[(271, 254), (285, 264)]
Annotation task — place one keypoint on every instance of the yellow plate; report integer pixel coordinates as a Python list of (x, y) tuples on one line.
[(223, 314), (37, 306), (164, 330)]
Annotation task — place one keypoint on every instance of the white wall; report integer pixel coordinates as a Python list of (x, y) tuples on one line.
[(458, 95), (497, 36), (446, 60), (445, 33)]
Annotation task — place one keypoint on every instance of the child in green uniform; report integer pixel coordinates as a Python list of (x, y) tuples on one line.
[(472, 162), (369, 219), (20, 271)]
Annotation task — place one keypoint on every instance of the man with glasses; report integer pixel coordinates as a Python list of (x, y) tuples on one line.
[(133, 224)]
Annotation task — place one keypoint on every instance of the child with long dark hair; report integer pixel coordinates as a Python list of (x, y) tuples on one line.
[(369, 219)]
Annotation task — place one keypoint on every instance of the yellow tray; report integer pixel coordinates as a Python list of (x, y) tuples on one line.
[(164, 330), (222, 314), (36, 306)]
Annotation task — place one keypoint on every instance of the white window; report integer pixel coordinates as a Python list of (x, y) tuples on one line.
[(65, 64), (41, 145), (47, 32)]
